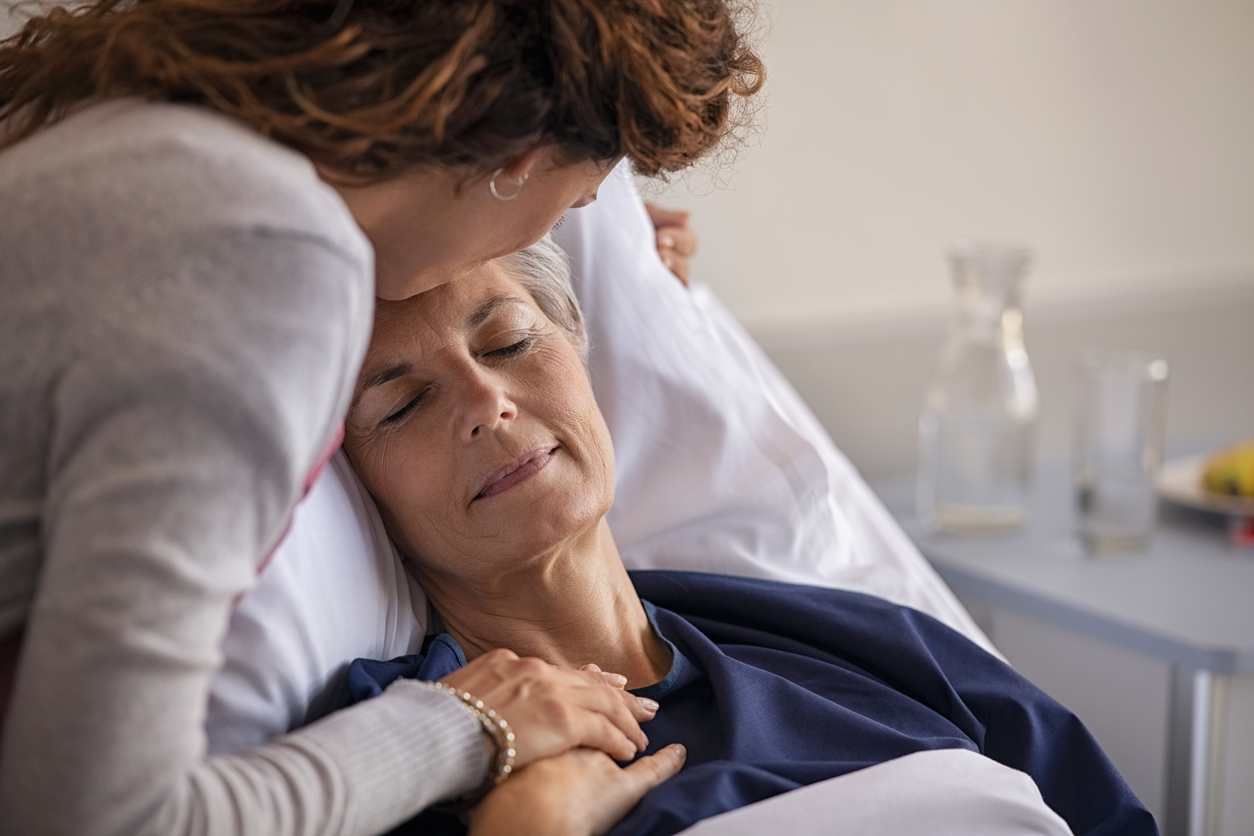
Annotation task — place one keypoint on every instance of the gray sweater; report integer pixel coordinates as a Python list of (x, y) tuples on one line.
[(183, 309)]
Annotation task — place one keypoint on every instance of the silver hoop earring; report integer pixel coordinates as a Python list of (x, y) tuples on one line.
[(492, 185)]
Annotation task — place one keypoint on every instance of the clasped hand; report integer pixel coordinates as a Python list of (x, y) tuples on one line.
[(570, 727)]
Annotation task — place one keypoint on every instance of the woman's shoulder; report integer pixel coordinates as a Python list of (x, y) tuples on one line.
[(172, 215), (186, 169), (163, 260)]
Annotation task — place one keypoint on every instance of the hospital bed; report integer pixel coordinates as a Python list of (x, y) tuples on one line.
[(720, 468)]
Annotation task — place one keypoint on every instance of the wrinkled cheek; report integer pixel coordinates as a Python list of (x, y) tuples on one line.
[(376, 465), (604, 455), (598, 481), (436, 529), (384, 471)]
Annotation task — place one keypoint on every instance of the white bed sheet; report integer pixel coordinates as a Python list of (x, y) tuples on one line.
[(947, 792)]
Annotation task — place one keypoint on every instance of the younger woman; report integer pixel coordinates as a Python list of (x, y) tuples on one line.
[(202, 199)]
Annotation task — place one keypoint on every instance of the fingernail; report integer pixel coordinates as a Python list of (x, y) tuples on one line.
[(667, 241), (648, 704), (615, 679)]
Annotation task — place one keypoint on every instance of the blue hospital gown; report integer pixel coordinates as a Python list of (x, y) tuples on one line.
[(775, 686)]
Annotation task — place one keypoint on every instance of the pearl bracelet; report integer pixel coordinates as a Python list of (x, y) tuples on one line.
[(496, 727)]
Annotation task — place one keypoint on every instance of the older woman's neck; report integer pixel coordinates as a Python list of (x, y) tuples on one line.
[(574, 608)]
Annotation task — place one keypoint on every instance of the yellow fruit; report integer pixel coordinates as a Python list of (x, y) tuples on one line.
[(1231, 471)]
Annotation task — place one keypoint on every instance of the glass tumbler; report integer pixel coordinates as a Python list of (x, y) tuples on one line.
[(976, 429), (1119, 447)]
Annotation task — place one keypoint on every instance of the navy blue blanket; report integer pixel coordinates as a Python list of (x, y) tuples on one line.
[(776, 686)]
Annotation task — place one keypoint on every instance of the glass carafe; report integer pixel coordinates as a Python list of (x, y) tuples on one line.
[(976, 430)]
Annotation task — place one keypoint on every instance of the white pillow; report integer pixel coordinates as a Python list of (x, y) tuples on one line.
[(333, 590), (720, 465), (720, 468)]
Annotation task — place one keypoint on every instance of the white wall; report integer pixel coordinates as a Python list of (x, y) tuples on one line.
[(1114, 136)]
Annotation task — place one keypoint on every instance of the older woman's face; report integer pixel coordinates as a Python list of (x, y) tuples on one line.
[(475, 428)]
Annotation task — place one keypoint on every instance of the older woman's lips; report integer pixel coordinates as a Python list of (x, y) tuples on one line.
[(517, 470)]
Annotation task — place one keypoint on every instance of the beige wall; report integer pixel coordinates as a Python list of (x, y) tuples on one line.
[(865, 381), (1115, 136)]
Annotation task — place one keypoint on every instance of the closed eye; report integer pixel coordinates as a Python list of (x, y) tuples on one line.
[(511, 349), (407, 408)]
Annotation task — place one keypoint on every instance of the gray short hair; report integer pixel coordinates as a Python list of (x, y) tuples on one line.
[(544, 271)]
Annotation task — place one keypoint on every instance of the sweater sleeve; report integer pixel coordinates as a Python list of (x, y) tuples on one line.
[(184, 423)]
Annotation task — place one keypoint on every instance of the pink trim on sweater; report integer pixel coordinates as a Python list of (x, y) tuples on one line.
[(337, 438)]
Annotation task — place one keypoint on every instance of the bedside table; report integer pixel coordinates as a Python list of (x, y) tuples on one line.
[(1187, 601)]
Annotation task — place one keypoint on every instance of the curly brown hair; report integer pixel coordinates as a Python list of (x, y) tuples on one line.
[(369, 88)]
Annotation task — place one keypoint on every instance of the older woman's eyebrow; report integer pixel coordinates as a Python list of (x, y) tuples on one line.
[(380, 376), (480, 314), (387, 374)]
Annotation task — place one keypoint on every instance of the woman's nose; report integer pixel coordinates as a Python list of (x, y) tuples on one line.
[(485, 407)]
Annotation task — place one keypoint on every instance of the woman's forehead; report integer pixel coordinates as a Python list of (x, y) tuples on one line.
[(461, 305)]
